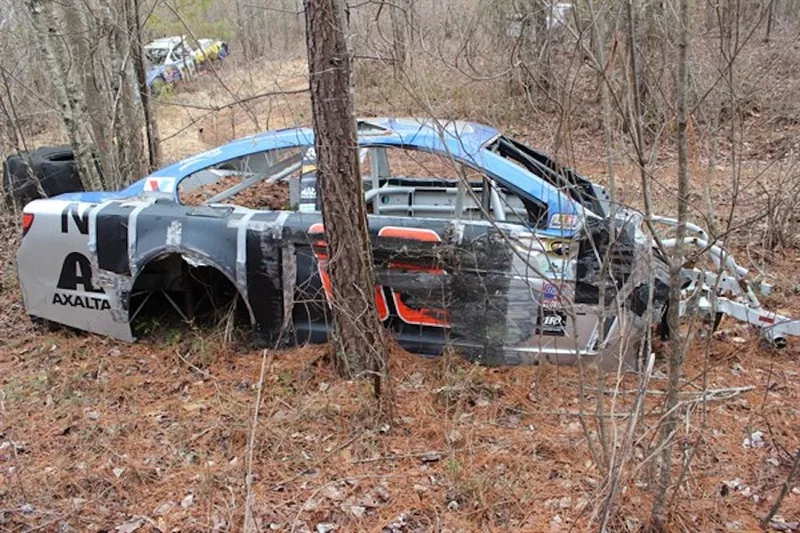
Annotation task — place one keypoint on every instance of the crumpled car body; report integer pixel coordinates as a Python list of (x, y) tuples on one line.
[(210, 50), (514, 261), (170, 59)]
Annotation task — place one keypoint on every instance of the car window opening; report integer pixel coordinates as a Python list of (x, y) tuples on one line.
[(579, 188), (396, 182), (258, 181), (414, 183)]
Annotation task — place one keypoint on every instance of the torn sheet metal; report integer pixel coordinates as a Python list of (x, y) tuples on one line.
[(563, 283)]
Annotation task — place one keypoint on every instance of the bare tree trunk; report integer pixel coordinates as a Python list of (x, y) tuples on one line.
[(17, 139), (535, 51), (127, 110), (768, 32), (359, 336), (137, 57), (669, 424), (714, 101), (412, 22), (287, 28), (399, 32), (81, 40), (48, 22), (241, 25)]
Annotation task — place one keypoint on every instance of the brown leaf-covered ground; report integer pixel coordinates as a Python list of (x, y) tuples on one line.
[(258, 196), (153, 436), (97, 434)]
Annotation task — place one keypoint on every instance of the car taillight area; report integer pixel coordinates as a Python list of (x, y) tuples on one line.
[(27, 222)]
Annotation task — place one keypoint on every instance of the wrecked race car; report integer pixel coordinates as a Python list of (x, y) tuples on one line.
[(480, 243)]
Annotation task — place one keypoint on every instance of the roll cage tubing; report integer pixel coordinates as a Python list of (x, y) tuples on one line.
[(468, 146), (480, 147)]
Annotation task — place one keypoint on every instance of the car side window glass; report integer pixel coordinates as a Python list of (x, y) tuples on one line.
[(267, 180)]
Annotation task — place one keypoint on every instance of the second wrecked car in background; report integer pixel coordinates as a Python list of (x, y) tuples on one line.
[(210, 50), (169, 59), (480, 243)]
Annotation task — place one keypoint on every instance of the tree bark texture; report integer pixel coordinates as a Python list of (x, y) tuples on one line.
[(359, 335), (82, 45), (399, 32), (48, 23), (140, 69), (129, 110)]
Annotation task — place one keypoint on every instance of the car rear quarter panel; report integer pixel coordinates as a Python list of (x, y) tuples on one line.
[(57, 270)]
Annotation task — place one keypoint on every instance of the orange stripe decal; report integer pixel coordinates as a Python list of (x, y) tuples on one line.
[(380, 303), (439, 318), (412, 234), (423, 317)]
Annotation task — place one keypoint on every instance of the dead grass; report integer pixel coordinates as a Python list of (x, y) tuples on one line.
[(96, 434)]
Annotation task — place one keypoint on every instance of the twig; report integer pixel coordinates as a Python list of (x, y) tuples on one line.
[(711, 394), (233, 103), (394, 457), (192, 366), (787, 483), (249, 525), (718, 394)]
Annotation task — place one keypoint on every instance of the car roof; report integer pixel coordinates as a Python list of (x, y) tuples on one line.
[(463, 141)]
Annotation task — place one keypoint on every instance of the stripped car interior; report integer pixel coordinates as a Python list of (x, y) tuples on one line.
[(480, 243)]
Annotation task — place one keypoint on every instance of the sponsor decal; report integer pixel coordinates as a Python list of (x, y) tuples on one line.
[(557, 247), (563, 221), (308, 193), (96, 303), (162, 185), (551, 291), (439, 318), (80, 220), (552, 323), (551, 295), (321, 253), (407, 313), (555, 268), (77, 272), (412, 234)]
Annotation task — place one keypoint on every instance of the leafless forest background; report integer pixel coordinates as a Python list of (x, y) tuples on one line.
[(96, 435)]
